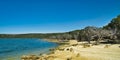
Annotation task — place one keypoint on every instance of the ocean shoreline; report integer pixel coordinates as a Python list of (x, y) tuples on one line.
[(35, 49), (80, 52)]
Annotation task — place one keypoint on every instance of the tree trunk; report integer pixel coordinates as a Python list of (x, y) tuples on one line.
[(98, 41)]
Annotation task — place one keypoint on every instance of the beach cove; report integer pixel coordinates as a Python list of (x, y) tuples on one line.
[(80, 51)]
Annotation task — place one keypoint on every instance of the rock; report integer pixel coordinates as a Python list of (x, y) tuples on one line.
[(24, 57), (107, 46)]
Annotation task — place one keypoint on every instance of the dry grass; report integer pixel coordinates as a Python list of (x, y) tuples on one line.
[(100, 53), (91, 53), (96, 52)]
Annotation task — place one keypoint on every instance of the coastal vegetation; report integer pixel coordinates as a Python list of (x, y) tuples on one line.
[(109, 33)]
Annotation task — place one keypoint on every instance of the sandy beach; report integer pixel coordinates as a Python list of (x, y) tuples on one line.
[(81, 52)]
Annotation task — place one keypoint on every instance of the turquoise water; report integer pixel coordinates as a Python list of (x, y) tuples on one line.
[(14, 48)]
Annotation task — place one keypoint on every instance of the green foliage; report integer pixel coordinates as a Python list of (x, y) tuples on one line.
[(114, 24)]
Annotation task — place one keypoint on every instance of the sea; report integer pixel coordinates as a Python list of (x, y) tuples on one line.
[(14, 48)]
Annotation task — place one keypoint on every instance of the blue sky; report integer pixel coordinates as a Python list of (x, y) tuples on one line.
[(48, 16)]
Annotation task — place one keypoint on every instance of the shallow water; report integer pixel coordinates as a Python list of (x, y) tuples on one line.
[(14, 48)]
